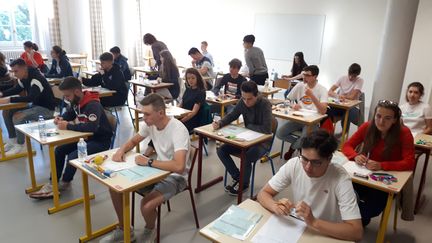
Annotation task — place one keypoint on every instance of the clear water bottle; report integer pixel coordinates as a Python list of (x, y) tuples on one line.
[(82, 150), (266, 85), (272, 74), (42, 128), (138, 97)]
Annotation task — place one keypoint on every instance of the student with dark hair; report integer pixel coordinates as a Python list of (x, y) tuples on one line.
[(171, 142), (156, 46), (193, 98), (207, 54), (121, 61), (350, 88), (296, 70), (110, 77), (6, 81), (32, 57), (309, 95), (60, 66), (202, 63), (322, 191), (87, 110), (39, 95), (257, 116), (231, 81), (386, 145), (255, 61), (416, 114), (170, 74)]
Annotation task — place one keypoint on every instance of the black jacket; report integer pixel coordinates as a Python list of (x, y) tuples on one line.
[(65, 68), (38, 90)]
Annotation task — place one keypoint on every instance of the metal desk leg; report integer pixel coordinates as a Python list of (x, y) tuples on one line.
[(384, 219)]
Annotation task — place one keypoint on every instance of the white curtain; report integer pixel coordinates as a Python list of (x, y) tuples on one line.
[(43, 12)]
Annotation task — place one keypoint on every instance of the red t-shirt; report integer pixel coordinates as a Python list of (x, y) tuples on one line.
[(402, 154), (36, 56)]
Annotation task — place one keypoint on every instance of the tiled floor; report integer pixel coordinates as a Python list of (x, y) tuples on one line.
[(26, 220)]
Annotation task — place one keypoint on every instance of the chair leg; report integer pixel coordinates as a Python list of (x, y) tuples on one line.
[(133, 209), (225, 178), (117, 116), (281, 151), (158, 224), (205, 150), (168, 205), (193, 206), (269, 158), (252, 181)]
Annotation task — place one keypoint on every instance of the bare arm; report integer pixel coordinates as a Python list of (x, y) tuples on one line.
[(353, 95), (129, 145), (203, 70), (347, 230), (177, 164), (265, 198), (332, 90), (195, 110), (428, 128)]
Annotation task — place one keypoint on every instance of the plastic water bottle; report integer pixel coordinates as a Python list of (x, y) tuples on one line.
[(266, 85), (138, 97), (82, 150), (272, 74), (42, 129)]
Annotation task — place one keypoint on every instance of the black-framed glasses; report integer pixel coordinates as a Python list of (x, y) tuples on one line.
[(314, 162), (387, 103)]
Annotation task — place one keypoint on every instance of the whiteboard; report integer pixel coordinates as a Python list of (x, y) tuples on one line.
[(282, 35)]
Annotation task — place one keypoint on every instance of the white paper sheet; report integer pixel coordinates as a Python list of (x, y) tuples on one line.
[(352, 167), (249, 135), (117, 166), (280, 229)]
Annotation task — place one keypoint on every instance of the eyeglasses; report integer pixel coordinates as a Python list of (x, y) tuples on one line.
[(387, 103), (314, 162), (307, 75)]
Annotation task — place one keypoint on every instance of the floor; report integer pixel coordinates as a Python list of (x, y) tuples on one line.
[(26, 220)]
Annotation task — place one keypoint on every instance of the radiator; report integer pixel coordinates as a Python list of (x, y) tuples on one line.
[(12, 54)]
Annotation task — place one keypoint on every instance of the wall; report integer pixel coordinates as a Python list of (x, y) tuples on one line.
[(419, 60)]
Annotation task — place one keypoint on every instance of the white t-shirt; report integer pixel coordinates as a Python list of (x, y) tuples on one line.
[(414, 116), (331, 197), (172, 138), (346, 86), (298, 93)]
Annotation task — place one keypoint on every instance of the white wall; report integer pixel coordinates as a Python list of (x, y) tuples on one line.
[(420, 58)]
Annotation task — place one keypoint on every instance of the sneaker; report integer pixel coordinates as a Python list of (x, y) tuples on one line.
[(117, 236), (235, 190), (64, 186), (8, 146), (16, 149), (149, 235), (45, 192), (231, 186)]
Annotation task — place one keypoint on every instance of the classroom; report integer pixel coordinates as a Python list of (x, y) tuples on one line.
[(285, 121)]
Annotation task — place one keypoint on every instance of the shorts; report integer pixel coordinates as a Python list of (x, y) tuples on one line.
[(168, 187)]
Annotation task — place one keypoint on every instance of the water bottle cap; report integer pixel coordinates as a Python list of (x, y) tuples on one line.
[(81, 140)]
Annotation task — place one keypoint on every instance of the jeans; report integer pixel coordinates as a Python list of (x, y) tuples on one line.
[(353, 115), (285, 133), (371, 202), (70, 150), (20, 116), (252, 155), (259, 79)]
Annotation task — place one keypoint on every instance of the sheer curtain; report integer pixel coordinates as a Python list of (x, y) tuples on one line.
[(96, 28)]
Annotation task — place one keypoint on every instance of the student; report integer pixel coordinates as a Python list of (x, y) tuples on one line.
[(60, 66), (309, 95), (386, 145), (350, 88), (6, 81), (32, 57), (156, 46), (110, 77), (171, 142), (39, 95), (416, 114), (231, 81), (207, 54), (193, 98), (322, 191), (85, 114), (121, 61), (170, 74), (257, 116), (203, 64), (296, 70), (255, 61)]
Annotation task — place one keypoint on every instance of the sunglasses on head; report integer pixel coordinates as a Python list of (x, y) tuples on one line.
[(387, 103)]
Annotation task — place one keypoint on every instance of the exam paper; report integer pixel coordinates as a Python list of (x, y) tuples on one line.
[(352, 167), (139, 172), (249, 135), (280, 229), (117, 166)]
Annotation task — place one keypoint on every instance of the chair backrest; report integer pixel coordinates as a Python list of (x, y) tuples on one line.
[(282, 83), (204, 114), (113, 123), (362, 109), (193, 154), (274, 129)]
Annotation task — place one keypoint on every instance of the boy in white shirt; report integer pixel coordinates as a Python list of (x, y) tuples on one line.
[(350, 88), (323, 194), (309, 95)]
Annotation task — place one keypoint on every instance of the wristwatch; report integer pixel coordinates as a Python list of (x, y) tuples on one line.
[(150, 162)]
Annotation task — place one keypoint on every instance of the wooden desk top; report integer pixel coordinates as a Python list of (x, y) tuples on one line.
[(146, 70), (308, 236), (268, 91), (76, 56), (147, 84), (314, 118), (346, 105), (218, 101), (31, 130), (425, 137), (396, 187), (54, 81), (76, 65), (103, 92), (91, 73), (118, 182), (174, 111), (207, 131), (10, 106)]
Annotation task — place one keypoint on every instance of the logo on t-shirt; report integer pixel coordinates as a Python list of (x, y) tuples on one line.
[(307, 100)]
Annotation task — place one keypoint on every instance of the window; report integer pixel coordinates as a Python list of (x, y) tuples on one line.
[(15, 23)]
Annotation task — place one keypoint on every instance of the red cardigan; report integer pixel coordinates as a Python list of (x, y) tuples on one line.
[(402, 155), (36, 56)]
